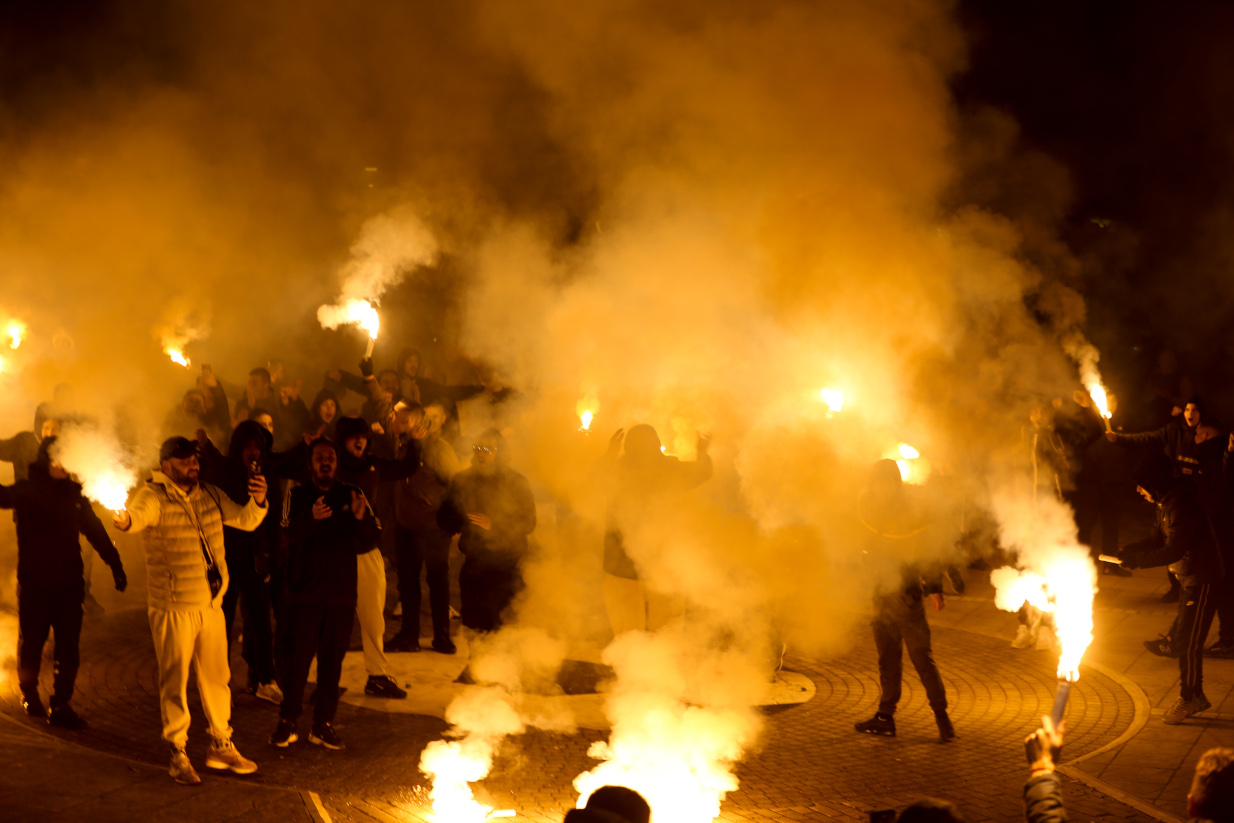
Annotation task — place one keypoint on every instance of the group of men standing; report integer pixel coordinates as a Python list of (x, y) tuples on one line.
[(213, 546)]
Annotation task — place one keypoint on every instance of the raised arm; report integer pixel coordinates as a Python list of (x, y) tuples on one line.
[(141, 512)]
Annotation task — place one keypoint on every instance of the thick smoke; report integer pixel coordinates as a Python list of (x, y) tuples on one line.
[(693, 215)]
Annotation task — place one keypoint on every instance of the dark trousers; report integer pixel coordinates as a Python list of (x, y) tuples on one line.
[(41, 609), (252, 594), (430, 549), (1196, 606), (901, 622), (486, 592), (324, 630)]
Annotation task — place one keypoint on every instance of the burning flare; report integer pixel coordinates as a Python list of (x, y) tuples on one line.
[(359, 313), (1064, 588), (99, 463), (586, 411), (16, 331), (178, 357), (834, 399)]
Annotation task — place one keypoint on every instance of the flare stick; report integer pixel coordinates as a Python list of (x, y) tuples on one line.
[(1060, 701), (368, 352)]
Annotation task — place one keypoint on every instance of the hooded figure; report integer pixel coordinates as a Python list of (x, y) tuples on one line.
[(324, 415), (1184, 539), (51, 516), (492, 507), (643, 482)]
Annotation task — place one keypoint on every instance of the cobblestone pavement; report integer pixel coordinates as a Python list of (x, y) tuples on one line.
[(809, 764)]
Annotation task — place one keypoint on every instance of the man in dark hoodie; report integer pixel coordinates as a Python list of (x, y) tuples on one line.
[(1182, 539), (1177, 440), (491, 505), (899, 611), (252, 556), (365, 471), (51, 515), (327, 523)]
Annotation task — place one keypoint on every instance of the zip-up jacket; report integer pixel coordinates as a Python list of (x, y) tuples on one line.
[(321, 557), (1175, 438), (1182, 538), (169, 520)]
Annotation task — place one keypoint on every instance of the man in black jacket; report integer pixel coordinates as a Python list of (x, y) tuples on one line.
[(491, 505), (899, 618), (1183, 539), (51, 513), (327, 524)]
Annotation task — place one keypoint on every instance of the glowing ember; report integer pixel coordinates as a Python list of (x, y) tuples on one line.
[(585, 417), (99, 462), (833, 398), (178, 357), (16, 331), (453, 765), (1066, 590), (108, 490), (908, 452)]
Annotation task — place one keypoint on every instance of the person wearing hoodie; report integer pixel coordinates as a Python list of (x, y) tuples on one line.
[(642, 485), (182, 523), (51, 516), (358, 467), (1182, 539), (1177, 440), (612, 804), (253, 560), (323, 415), (890, 519), (22, 449), (327, 523), (492, 507)]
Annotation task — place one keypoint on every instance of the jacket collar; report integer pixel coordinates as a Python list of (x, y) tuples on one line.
[(166, 482)]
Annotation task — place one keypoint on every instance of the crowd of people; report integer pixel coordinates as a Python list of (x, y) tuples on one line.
[(292, 514), (280, 512)]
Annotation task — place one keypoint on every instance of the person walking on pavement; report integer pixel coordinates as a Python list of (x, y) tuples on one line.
[(1183, 539), (186, 570), (51, 516), (328, 523), (899, 614)]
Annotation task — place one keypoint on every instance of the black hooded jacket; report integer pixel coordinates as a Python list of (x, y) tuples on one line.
[(51, 516), (1175, 438), (505, 496), (252, 548), (1183, 537), (367, 471)]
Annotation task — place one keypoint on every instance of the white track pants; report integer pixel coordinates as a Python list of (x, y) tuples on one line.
[(194, 637), (370, 609)]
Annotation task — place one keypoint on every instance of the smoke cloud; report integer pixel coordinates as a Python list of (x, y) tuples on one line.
[(694, 216)]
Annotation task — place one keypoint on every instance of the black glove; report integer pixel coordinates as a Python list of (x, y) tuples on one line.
[(122, 580), (366, 367), (1131, 560)]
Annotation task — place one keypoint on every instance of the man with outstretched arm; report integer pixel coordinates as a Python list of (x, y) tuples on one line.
[(186, 572)]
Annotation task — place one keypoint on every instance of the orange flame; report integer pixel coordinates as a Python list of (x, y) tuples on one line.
[(834, 399), (1065, 589), (16, 331)]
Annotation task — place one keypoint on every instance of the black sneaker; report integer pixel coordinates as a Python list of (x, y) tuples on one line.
[(32, 705), (878, 724), (444, 645), (1162, 647), (946, 731), (285, 734), (65, 718), (403, 642), (383, 685), (323, 735), (1222, 648), (956, 579)]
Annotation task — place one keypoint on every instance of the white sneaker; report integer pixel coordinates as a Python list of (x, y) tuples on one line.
[(182, 770), (1024, 638), (223, 755), (270, 692)]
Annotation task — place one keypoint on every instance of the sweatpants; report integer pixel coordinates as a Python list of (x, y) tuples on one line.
[(371, 608), (633, 607), (322, 630), (1196, 606), (41, 609), (900, 621), (428, 549), (198, 637)]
